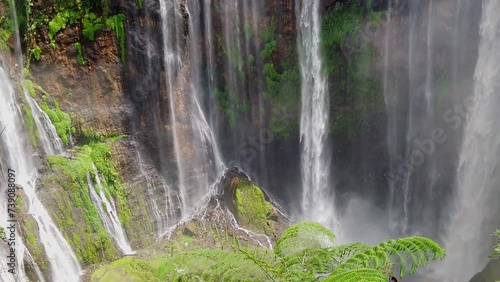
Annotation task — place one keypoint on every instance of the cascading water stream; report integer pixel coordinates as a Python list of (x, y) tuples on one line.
[(50, 141), (198, 160), (107, 212), (476, 200), (164, 213), (63, 263), (317, 203), (8, 109)]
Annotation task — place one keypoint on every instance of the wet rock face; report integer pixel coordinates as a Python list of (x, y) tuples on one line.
[(237, 208)]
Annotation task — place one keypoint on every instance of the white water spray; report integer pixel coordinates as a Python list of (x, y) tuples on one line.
[(476, 201), (317, 203), (63, 263), (107, 212)]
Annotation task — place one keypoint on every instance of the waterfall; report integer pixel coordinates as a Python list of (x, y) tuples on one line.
[(50, 141), (198, 161), (8, 109), (423, 92), (107, 212), (165, 212), (317, 203), (475, 213), (64, 265)]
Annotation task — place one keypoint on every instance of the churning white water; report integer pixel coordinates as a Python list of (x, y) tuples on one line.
[(317, 203), (476, 203)]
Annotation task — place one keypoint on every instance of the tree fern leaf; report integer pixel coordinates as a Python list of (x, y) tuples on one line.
[(356, 275), (304, 235)]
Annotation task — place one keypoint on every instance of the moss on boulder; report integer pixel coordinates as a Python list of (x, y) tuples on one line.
[(253, 211)]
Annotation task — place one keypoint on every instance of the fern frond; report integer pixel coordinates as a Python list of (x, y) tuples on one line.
[(412, 251), (302, 236), (357, 275), (212, 265)]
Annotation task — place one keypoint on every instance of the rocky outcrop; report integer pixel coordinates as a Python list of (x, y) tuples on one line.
[(217, 223)]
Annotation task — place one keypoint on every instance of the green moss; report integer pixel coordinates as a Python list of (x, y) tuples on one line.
[(60, 120), (99, 154), (30, 87), (34, 245), (29, 123), (253, 209), (92, 243)]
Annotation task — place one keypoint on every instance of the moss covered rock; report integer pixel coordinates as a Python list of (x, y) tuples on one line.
[(253, 211)]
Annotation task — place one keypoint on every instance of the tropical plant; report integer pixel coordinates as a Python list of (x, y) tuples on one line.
[(305, 252)]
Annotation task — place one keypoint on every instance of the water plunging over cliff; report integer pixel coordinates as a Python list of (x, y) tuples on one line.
[(197, 157), (63, 264), (424, 96), (474, 215), (317, 201)]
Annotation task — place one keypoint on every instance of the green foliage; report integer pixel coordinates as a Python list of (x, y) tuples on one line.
[(302, 236), (283, 89), (305, 252), (37, 53), (349, 57), (244, 107), (268, 51), (267, 37), (132, 268), (5, 31), (357, 275), (79, 54), (267, 34), (60, 20), (139, 4), (228, 101), (116, 23), (91, 24), (343, 22)]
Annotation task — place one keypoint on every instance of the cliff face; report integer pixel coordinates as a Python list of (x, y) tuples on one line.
[(102, 67)]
